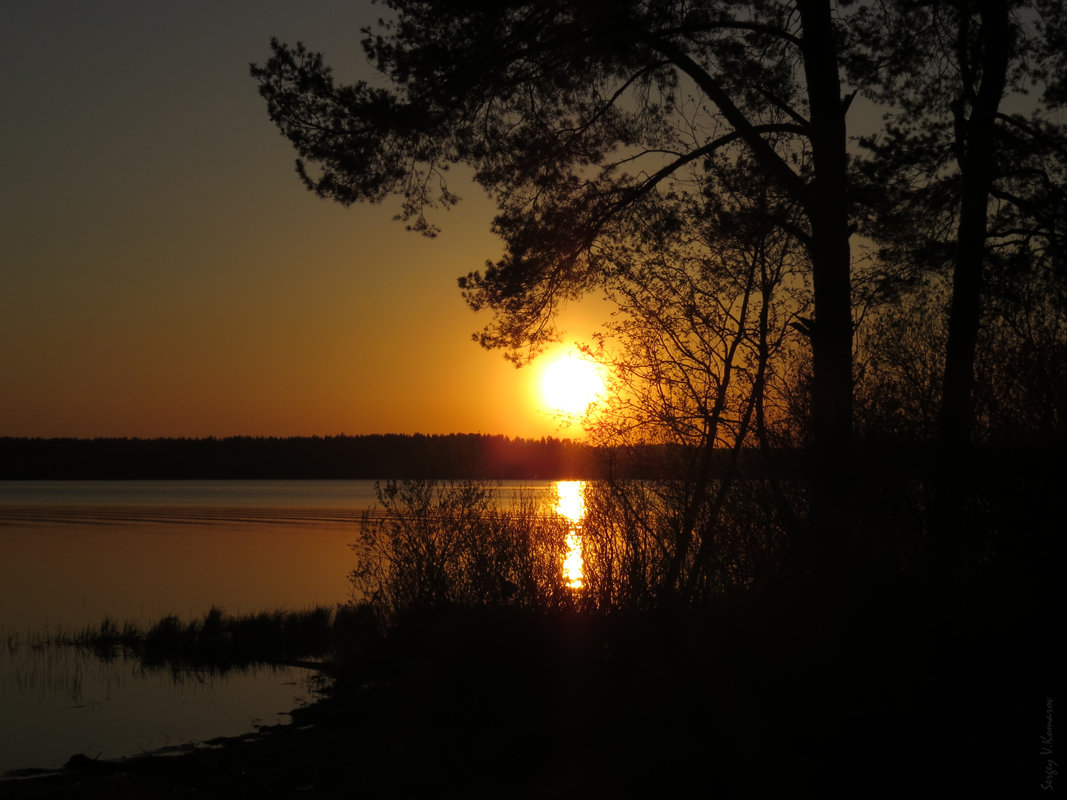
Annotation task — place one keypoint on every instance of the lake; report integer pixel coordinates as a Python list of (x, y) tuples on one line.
[(75, 552)]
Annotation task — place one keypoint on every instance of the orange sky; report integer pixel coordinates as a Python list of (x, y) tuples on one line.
[(164, 272)]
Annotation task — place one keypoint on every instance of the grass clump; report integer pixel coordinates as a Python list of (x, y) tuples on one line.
[(218, 640)]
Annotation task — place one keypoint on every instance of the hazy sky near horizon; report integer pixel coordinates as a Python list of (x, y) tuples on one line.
[(166, 274)]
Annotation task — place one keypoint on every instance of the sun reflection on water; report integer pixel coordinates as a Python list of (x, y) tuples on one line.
[(571, 506)]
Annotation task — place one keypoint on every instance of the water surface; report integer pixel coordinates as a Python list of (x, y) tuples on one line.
[(75, 552)]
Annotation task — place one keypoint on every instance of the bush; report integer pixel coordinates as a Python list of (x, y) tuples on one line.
[(432, 545)]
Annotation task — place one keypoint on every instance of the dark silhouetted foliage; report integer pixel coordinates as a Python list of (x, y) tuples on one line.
[(605, 133)]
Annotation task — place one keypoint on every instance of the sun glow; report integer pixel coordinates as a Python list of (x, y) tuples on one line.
[(571, 383)]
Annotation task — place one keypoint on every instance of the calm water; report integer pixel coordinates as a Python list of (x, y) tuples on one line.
[(74, 552)]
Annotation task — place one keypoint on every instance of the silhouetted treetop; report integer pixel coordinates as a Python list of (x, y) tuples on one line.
[(577, 117)]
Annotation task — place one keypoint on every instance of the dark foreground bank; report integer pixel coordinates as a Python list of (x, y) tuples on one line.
[(870, 697)]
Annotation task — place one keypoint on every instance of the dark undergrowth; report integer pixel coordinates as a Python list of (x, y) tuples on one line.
[(485, 678), (883, 690)]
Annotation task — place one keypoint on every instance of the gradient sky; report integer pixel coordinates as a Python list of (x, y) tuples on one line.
[(164, 272)]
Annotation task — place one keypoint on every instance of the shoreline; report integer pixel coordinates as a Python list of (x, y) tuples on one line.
[(782, 697), (217, 767)]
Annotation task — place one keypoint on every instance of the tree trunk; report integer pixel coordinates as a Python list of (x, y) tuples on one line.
[(975, 147), (831, 338)]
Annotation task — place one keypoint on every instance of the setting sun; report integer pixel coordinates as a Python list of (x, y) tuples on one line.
[(571, 382)]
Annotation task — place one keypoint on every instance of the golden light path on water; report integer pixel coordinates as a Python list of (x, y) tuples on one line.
[(571, 506)]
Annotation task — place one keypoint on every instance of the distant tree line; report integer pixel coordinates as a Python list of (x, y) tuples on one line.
[(440, 457), (371, 457), (358, 457)]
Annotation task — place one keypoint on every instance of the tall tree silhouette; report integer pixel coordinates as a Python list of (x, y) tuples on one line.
[(963, 185), (577, 115), (962, 182)]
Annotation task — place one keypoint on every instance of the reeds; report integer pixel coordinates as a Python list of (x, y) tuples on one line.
[(218, 640)]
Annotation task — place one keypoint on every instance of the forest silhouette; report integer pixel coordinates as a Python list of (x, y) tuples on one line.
[(845, 358)]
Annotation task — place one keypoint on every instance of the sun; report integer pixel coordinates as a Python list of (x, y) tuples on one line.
[(571, 382)]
